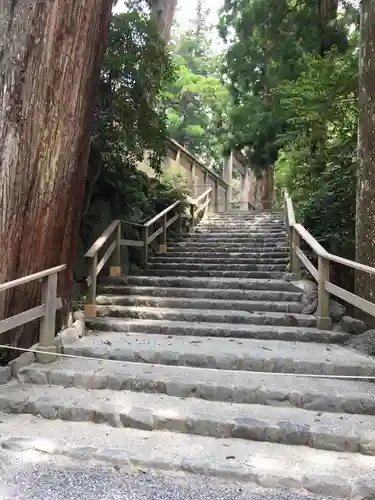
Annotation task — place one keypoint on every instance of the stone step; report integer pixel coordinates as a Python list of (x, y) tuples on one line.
[(217, 274), (196, 282), (198, 303), (242, 230), (246, 223), (175, 258), (291, 426), (247, 354), (201, 293), (218, 266), (233, 237), (248, 216), (226, 256), (208, 329), (255, 463), (208, 315), (208, 247), (332, 395)]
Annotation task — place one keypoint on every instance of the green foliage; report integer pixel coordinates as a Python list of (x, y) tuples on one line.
[(293, 71), (197, 101), (129, 126), (318, 161)]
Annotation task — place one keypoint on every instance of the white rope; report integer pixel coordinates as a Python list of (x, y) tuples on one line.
[(91, 358)]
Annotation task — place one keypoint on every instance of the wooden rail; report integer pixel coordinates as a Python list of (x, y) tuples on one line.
[(296, 233), (112, 238), (46, 311)]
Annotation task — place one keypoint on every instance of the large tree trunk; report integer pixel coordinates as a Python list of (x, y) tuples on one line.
[(365, 213), (50, 58), (164, 11)]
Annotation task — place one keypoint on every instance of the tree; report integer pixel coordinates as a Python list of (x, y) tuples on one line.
[(365, 212), (49, 69), (197, 102), (164, 11)]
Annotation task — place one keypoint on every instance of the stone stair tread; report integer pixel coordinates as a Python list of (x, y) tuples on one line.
[(207, 282), (221, 315), (275, 356), (294, 426), (226, 259), (259, 463), (209, 329), (333, 395), (217, 266), (220, 259), (214, 273), (197, 303), (213, 293), (208, 247)]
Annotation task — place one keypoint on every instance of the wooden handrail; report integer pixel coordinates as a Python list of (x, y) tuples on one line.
[(310, 240), (321, 274), (46, 312), (114, 247), (195, 201), (161, 214), (31, 277), (102, 239)]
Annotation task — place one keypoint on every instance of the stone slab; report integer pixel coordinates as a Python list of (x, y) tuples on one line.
[(293, 426), (199, 303), (254, 463), (5, 374), (175, 257), (208, 329), (209, 315), (218, 266), (202, 293), (196, 282), (333, 395), (228, 354), (217, 274)]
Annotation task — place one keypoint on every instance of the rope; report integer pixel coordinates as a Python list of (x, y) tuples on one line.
[(298, 375)]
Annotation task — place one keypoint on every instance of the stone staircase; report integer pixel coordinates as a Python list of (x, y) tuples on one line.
[(175, 376)]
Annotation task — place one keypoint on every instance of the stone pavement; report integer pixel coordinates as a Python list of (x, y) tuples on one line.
[(170, 382)]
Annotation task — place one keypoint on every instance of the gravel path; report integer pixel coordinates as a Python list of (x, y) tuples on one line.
[(34, 476)]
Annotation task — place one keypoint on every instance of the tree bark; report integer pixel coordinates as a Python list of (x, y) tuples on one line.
[(365, 210), (164, 11), (51, 53)]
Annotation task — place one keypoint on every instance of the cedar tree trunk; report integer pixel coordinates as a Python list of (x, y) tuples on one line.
[(51, 53), (365, 212)]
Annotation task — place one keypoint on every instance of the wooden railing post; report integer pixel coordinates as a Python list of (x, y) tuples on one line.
[(192, 214), (216, 195), (90, 305), (115, 270), (294, 259), (205, 210), (324, 321), (180, 214), (145, 248), (48, 321), (163, 246)]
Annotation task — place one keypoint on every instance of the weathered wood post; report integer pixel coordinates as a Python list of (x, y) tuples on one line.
[(295, 263), (180, 215), (145, 247), (48, 321), (90, 303), (192, 215), (216, 195), (324, 321), (163, 245), (115, 269)]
